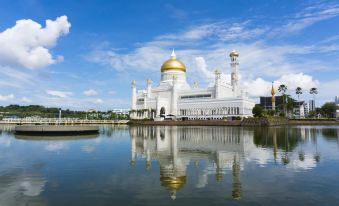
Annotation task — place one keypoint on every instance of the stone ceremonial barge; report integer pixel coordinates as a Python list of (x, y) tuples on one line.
[(174, 98)]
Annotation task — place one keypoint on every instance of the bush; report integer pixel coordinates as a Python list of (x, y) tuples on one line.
[(257, 111), (270, 113), (237, 118)]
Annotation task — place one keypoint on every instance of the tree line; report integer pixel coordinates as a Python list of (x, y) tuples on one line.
[(53, 112)]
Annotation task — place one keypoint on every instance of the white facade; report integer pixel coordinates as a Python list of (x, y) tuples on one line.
[(299, 110), (306, 109), (175, 98)]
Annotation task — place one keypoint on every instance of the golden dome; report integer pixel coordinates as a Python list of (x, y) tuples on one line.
[(234, 54), (173, 64)]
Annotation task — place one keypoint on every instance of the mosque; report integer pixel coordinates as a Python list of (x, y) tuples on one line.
[(175, 98)]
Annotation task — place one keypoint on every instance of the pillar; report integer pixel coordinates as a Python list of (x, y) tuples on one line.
[(174, 102), (217, 83)]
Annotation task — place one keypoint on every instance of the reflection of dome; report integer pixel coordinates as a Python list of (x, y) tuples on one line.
[(173, 64), (234, 54), (173, 184)]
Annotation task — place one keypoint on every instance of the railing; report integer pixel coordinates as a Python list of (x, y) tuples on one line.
[(57, 121)]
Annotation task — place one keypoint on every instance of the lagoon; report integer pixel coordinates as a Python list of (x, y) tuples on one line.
[(172, 165)]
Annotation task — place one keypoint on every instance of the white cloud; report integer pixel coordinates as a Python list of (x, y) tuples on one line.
[(225, 31), (297, 80), (258, 87), (60, 94), (91, 92), (202, 67), (27, 43), (6, 97), (98, 101), (261, 87), (25, 100), (309, 16)]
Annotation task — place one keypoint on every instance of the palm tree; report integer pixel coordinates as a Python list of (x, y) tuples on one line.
[(314, 91), (298, 91), (282, 89)]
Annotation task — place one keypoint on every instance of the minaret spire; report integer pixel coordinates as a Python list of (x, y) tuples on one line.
[(173, 56), (273, 96)]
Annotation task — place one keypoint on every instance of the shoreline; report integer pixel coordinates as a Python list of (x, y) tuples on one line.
[(191, 123)]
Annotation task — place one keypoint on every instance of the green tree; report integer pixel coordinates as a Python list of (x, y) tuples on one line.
[(329, 109), (298, 91), (282, 89), (314, 91), (290, 103), (257, 110)]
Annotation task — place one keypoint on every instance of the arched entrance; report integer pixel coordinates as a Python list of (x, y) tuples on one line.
[(162, 112)]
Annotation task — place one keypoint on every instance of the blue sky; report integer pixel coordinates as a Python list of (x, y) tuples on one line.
[(88, 52)]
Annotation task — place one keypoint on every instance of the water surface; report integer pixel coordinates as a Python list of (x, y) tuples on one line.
[(142, 165)]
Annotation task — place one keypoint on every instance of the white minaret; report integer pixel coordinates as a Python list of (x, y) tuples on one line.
[(134, 95), (217, 83), (234, 69), (149, 87)]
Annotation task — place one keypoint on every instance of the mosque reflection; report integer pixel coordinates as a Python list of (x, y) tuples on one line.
[(175, 147), (225, 149)]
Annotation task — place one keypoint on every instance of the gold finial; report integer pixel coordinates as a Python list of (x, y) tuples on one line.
[(173, 56), (149, 81)]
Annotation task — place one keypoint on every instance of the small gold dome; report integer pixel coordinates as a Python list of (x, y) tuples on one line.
[(173, 64), (234, 54)]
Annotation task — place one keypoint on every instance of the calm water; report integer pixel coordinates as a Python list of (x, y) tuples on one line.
[(172, 166)]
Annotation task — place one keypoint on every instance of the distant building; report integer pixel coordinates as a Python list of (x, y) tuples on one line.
[(121, 111), (266, 103), (306, 109), (311, 105), (337, 114), (299, 110), (336, 100)]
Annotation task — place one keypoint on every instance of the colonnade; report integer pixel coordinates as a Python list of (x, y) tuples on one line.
[(210, 111)]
